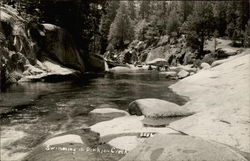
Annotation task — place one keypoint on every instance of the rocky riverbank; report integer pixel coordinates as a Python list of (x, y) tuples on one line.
[(126, 133), (219, 96), (31, 51)]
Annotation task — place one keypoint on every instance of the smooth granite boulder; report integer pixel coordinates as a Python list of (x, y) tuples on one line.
[(180, 148), (205, 65), (69, 146), (151, 107), (183, 74)]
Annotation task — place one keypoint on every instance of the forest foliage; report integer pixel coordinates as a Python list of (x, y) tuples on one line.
[(99, 25), (197, 20)]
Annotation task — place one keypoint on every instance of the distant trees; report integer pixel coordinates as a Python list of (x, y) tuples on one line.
[(185, 9), (173, 23), (79, 17), (145, 9), (220, 17), (199, 25), (121, 32), (131, 9), (113, 24), (247, 35), (141, 30), (106, 21), (237, 17)]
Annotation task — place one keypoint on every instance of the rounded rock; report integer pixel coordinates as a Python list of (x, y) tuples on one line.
[(181, 147)]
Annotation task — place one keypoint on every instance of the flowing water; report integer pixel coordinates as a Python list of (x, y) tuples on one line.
[(39, 110)]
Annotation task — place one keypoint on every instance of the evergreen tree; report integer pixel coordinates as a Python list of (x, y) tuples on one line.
[(160, 18), (121, 32), (232, 17), (243, 11), (199, 25), (185, 9), (247, 35), (220, 16), (131, 8), (106, 20), (173, 23), (145, 9), (141, 29)]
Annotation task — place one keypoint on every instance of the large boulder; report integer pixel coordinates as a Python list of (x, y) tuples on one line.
[(164, 40), (69, 146), (158, 62), (183, 74), (51, 72), (121, 69), (205, 66), (127, 132), (152, 107), (107, 110), (181, 147), (23, 43), (95, 63), (59, 45), (159, 52)]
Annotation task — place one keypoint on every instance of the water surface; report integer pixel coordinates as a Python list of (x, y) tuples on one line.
[(43, 109)]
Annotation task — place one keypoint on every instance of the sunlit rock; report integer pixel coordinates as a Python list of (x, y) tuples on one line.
[(183, 74), (220, 97), (181, 147), (151, 107), (205, 66)]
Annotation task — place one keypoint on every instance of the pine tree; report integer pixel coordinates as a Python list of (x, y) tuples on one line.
[(173, 23), (185, 10), (121, 32), (141, 29), (106, 20), (220, 15), (247, 35), (145, 9), (199, 25), (232, 17), (131, 8)]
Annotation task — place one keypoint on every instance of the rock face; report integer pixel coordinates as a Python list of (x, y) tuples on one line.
[(16, 46), (26, 46), (156, 108), (159, 52), (59, 45), (220, 96), (181, 147), (95, 63), (48, 71)]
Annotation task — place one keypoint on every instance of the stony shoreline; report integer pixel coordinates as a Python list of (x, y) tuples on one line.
[(222, 115), (220, 96)]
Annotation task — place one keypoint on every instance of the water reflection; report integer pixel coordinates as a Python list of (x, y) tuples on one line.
[(50, 108)]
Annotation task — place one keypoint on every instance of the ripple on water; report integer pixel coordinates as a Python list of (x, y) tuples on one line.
[(59, 107)]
